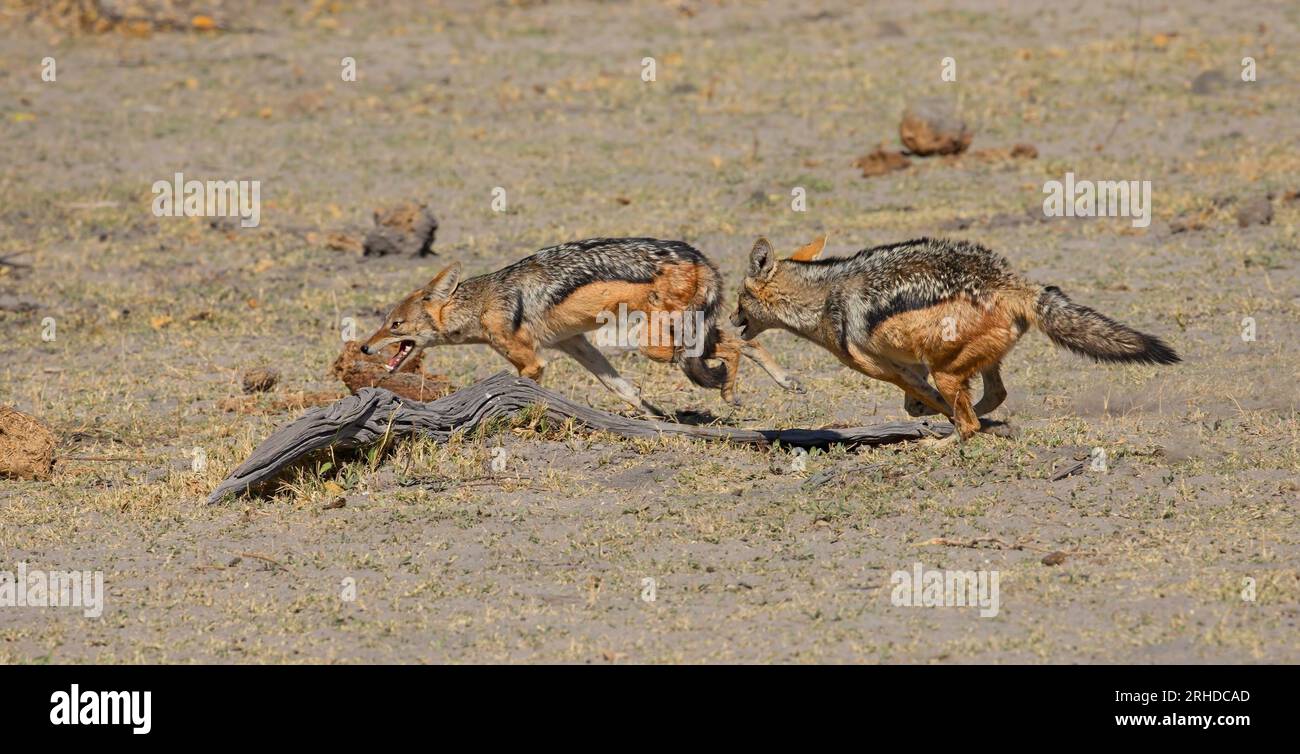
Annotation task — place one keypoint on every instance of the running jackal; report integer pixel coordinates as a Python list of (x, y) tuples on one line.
[(554, 296), (951, 308)]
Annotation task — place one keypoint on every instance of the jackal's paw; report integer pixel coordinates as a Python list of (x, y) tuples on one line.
[(792, 385)]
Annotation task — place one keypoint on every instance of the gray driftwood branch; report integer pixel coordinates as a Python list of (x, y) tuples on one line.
[(363, 419)]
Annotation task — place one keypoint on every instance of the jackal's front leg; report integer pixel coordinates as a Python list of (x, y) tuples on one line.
[(911, 404), (922, 399), (752, 350), (519, 351), (901, 375)]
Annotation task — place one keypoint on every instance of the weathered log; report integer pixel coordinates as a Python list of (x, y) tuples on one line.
[(363, 419)]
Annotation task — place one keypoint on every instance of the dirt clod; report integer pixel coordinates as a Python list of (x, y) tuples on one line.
[(26, 446), (932, 126), (1255, 211), (260, 380), (345, 242), (407, 228), (1025, 151), (1208, 81), (1054, 558), (881, 162)]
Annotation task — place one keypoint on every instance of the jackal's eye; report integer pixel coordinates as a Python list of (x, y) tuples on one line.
[(396, 324)]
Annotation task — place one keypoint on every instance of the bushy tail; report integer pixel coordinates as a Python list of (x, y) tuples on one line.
[(707, 301), (700, 373), (1091, 333)]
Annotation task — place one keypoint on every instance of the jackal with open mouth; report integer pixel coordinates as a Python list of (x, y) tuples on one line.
[(950, 309), (550, 299)]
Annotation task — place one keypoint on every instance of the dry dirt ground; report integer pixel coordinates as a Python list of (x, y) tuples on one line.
[(752, 560)]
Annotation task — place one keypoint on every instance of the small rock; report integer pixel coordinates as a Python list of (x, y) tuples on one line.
[(931, 126), (260, 380), (1054, 558), (1255, 211), (1208, 82), (404, 229)]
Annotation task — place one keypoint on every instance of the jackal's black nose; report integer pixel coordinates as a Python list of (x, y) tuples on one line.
[(365, 349)]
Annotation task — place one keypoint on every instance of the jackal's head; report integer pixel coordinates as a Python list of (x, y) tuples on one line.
[(772, 295), (420, 320)]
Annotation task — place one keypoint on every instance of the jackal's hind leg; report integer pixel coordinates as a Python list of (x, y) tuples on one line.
[(994, 391), (956, 389), (595, 362)]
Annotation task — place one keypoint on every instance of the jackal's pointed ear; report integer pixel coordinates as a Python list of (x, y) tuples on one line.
[(444, 283), (811, 251), (762, 260)]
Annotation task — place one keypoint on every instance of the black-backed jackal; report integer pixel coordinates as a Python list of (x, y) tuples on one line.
[(950, 308), (553, 297)]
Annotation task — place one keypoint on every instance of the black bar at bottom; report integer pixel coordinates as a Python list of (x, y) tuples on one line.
[(234, 704)]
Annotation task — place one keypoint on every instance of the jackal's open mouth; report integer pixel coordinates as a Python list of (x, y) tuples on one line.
[(403, 350)]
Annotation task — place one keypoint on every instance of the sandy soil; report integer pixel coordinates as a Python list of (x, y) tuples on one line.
[(752, 560)]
